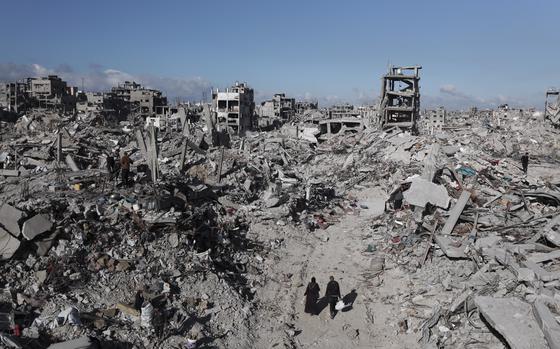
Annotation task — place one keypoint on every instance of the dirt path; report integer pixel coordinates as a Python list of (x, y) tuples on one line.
[(337, 251)]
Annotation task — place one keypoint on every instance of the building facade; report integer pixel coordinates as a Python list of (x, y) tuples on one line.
[(234, 109)]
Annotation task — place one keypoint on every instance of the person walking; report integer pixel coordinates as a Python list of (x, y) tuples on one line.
[(525, 162), (311, 296), (332, 294)]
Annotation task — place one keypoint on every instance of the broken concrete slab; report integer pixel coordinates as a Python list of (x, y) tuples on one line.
[(9, 173), (547, 323), (550, 234), (35, 226), (451, 248), (423, 191), (71, 163), (543, 257), (541, 273), (9, 218), (455, 213), (78, 343), (8, 245), (513, 319), (399, 155)]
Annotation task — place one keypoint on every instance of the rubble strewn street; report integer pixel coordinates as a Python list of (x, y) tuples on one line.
[(220, 246), (279, 175)]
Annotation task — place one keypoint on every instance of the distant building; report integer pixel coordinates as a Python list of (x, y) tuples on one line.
[(343, 111), (234, 108), (13, 96), (132, 99), (436, 118), (90, 102), (49, 92), (303, 106), (280, 107)]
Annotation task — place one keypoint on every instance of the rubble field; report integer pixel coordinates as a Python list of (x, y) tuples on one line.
[(438, 240)]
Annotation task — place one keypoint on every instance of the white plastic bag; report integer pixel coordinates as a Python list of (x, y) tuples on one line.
[(147, 315), (340, 305)]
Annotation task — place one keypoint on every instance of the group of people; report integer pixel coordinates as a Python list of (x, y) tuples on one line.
[(332, 295), (123, 166)]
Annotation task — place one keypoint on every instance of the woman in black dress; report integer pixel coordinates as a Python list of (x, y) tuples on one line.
[(312, 295)]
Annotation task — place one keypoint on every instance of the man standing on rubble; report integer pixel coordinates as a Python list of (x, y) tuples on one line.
[(332, 294), (125, 168), (110, 166), (525, 162)]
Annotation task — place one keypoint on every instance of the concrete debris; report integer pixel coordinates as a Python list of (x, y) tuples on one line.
[(78, 343), (36, 226), (548, 323), (10, 218), (422, 192), (513, 319), (427, 220), (8, 245)]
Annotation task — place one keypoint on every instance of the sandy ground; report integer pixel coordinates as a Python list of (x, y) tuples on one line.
[(338, 251)]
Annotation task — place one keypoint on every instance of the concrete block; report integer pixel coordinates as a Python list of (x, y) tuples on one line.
[(8, 245), (9, 218), (36, 225), (78, 343), (514, 320), (547, 323), (422, 191)]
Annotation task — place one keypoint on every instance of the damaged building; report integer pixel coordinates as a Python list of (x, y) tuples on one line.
[(234, 108), (400, 97), (49, 92), (279, 107), (552, 107), (133, 101), (434, 119), (342, 111)]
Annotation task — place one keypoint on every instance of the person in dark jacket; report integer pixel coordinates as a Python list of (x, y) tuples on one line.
[(311, 296), (125, 168), (333, 294), (525, 162), (110, 166)]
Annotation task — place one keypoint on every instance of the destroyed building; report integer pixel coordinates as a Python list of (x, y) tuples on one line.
[(234, 108), (49, 92), (341, 111), (552, 106), (88, 102), (303, 106), (400, 97), (434, 119), (14, 97), (279, 107), (133, 101)]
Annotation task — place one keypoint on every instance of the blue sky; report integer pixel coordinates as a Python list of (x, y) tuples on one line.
[(472, 52)]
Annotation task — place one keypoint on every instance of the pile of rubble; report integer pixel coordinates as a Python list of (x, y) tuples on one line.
[(87, 258)]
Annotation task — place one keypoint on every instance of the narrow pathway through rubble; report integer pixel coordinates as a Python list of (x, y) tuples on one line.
[(339, 251)]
